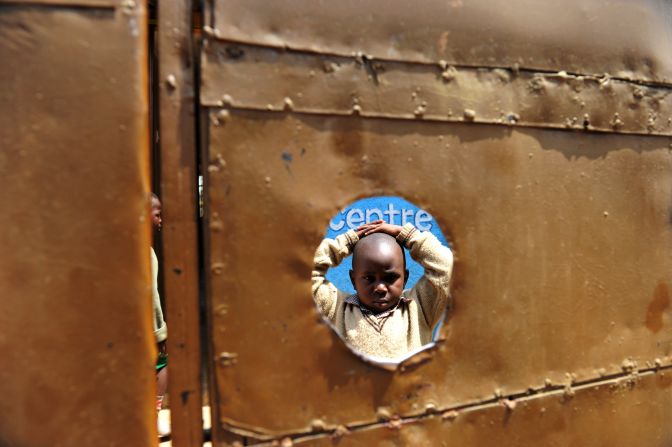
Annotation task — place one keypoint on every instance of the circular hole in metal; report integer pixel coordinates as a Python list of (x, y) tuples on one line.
[(392, 336)]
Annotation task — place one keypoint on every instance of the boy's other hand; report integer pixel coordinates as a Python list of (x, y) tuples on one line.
[(378, 226)]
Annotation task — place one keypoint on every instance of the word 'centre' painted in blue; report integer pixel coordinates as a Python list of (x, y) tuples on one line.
[(393, 210)]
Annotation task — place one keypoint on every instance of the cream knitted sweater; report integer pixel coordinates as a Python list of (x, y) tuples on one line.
[(160, 328), (410, 325)]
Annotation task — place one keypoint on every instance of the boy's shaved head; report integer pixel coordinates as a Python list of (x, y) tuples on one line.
[(377, 243)]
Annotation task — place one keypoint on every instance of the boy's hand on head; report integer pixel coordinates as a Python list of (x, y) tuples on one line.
[(361, 231), (365, 229), (379, 226)]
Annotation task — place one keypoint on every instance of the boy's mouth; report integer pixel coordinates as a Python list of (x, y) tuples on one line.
[(382, 305)]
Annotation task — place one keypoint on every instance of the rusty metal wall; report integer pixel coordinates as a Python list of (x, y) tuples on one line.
[(75, 332), (558, 215)]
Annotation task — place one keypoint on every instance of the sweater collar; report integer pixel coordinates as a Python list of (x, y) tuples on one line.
[(354, 300), (377, 321)]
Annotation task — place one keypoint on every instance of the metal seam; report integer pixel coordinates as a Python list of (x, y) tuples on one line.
[(528, 395), (213, 33), (430, 119)]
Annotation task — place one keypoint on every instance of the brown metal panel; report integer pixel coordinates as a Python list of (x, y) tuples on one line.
[(627, 412), (562, 260), (76, 338), (621, 37), (64, 3), (180, 208), (268, 79)]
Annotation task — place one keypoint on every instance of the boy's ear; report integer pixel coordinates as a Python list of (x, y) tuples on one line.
[(352, 278), (405, 277)]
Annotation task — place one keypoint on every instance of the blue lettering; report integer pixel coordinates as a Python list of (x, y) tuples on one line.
[(335, 226), (423, 221), (371, 212), (352, 221), (391, 213), (405, 215)]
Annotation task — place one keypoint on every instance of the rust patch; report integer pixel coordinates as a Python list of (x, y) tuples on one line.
[(657, 306)]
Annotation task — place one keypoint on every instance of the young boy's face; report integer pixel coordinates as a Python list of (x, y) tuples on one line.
[(378, 272), (156, 213)]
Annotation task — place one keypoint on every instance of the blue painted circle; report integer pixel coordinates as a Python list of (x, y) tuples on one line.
[(394, 210)]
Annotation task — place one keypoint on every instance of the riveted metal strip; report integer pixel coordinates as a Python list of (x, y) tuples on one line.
[(562, 393), (623, 38), (250, 77), (638, 408)]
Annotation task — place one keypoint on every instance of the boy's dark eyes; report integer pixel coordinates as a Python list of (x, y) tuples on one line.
[(388, 278), (392, 277)]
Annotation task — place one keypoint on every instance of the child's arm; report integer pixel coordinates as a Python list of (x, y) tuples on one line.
[(432, 288), (329, 254)]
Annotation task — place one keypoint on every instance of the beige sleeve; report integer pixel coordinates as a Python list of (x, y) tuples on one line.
[(433, 288), (160, 328), (329, 254)]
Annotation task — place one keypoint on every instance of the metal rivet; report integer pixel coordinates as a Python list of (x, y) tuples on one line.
[(171, 81), (227, 358), (469, 114)]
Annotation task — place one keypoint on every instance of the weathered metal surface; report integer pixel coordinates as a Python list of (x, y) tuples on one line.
[(627, 412), (251, 77), (76, 335), (561, 238), (621, 37), (180, 208), (562, 260), (64, 3)]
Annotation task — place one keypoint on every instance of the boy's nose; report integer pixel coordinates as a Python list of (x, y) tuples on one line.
[(380, 287)]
